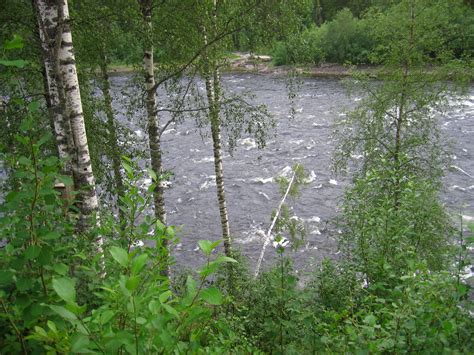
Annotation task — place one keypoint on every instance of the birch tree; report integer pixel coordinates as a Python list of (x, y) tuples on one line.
[(48, 35), (212, 79), (95, 41), (146, 7), (54, 19), (392, 214)]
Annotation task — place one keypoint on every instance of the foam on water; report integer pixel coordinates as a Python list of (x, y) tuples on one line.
[(285, 172), (310, 178), (296, 141), (204, 160), (248, 143), (262, 180), (210, 181), (169, 131)]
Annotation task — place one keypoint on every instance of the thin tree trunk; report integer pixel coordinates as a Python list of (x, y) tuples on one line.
[(82, 166), (272, 225), (401, 117), (152, 117), (112, 135), (213, 89)]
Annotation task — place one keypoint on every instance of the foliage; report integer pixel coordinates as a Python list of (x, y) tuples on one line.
[(345, 39), (384, 239), (51, 296), (348, 39), (398, 287), (363, 39), (302, 48)]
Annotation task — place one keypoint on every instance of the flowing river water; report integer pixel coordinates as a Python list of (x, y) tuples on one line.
[(252, 193)]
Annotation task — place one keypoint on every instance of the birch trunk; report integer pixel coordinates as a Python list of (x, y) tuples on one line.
[(47, 14), (213, 86), (82, 166), (213, 92), (112, 135), (152, 118)]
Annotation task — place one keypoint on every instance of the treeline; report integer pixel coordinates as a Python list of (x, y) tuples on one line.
[(352, 32), (74, 210)]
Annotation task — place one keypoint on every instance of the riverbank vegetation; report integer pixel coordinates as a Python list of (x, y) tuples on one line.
[(350, 35), (86, 251)]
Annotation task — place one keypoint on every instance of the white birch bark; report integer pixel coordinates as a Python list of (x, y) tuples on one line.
[(47, 14), (83, 176), (153, 119), (152, 116), (212, 79), (212, 89)]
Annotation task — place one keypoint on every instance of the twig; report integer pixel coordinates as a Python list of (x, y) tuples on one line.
[(277, 214)]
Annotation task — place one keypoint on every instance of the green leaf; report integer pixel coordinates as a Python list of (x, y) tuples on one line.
[(154, 306), (171, 310), (209, 269), (33, 107), (75, 308), (224, 259), (165, 296), (24, 161), (120, 255), (152, 175), (23, 284), (63, 312), (18, 63), (65, 289), (41, 332), (127, 168), (141, 320), (370, 320), (15, 43), (51, 235), (138, 263), (32, 252), (106, 316), (60, 269), (50, 199), (79, 343), (190, 284), (66, 180), (212, 296), (52, 326), (207, 246), (132, 283)]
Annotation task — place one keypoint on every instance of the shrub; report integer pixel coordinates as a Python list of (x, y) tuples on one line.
[(347, 39), (302, 48)]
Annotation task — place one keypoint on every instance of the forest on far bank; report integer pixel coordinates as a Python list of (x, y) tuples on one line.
[(87, 253)]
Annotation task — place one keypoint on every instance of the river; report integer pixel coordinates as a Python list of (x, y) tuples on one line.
[(252, 194)]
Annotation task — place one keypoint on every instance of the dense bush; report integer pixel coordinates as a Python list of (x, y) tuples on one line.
[(304, 48), (62, 294), (345, 39), (348, 39)]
